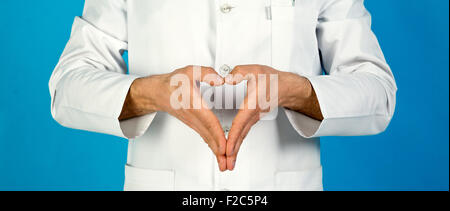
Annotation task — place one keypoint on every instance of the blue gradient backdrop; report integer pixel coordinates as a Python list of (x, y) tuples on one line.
[(38, 154)]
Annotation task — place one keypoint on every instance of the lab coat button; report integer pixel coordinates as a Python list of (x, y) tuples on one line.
[(226, 8), (226, 130), (225, 70)]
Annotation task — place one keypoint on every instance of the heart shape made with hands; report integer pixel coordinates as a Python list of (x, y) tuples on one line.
[(261, 98), (178, 94)]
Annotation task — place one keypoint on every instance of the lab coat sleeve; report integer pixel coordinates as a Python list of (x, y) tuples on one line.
[(89, 85), (357, 95)]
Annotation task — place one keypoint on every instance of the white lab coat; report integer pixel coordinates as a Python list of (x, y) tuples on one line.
[(356, 96)]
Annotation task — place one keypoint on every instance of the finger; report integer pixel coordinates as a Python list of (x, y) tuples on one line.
[(209, 124), (217, 147), (209, 121), (218, 141), (198, 74), (240, 121), (210, 76), (244, 133), (241, 73), (231, 159), (207, 75), (208, 128), (197, 125), (222, 162)]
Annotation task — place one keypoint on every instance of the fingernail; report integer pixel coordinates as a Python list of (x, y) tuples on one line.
[(234, 164)]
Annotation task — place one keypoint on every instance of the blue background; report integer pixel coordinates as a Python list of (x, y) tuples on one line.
[(38, 154)]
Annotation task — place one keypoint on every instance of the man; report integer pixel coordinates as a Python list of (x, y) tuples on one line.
[(228, 44)]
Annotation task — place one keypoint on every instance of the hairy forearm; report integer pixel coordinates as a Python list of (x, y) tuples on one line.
[(139, 101), (297, 94)]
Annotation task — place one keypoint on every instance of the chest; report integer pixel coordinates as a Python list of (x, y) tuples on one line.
[(168, 34)]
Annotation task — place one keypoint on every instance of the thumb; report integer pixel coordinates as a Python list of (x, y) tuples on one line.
[(239, 74), (210, 76)]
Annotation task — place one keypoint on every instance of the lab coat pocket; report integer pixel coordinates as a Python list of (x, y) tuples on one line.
[(138, 179), (282, 16), (306, 180)]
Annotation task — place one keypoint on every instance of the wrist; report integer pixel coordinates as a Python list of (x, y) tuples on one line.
[(142, 95), (294, 91)]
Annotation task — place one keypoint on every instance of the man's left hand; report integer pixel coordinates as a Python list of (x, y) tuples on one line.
[(267, 89)]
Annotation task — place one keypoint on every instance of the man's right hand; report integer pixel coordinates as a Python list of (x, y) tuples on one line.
[(156, 93)]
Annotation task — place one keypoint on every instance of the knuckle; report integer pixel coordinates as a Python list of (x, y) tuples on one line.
[(178, 70), (188, 69), (216, 151), (209, 69), (221, 151), (231, 157), (238, 68), (209, 124)]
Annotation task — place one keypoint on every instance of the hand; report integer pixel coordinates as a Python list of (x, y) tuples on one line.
[(267, 89), (178, 93)]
